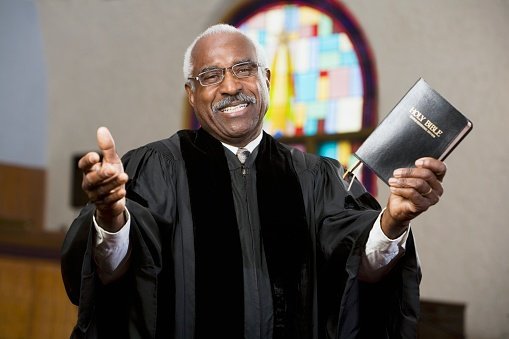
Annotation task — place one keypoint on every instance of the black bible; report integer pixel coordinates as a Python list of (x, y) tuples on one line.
[(422, 124)]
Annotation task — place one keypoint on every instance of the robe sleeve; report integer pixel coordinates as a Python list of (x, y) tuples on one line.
[(344, 220), (152, 179), (136, 303)]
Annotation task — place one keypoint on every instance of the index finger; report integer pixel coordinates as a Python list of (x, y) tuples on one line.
[(87, 161)]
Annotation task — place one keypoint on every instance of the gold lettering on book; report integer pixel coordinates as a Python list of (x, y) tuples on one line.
[(426, 124)]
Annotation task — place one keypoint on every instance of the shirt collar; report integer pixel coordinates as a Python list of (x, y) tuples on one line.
[(250, 147)]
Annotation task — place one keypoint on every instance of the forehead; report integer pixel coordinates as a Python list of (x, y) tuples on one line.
[(222, 50)]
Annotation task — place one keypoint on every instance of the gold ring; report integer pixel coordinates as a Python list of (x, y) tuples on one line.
[(428, 192)]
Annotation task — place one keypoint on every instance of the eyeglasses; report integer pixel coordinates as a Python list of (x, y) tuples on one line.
[(215, 76)]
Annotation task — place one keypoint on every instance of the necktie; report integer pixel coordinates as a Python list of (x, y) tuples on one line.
[(242, 154)]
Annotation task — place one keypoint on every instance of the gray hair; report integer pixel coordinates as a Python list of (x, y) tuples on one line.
[(215, 29)]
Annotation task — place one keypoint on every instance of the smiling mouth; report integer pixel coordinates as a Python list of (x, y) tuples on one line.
[(233, 109)]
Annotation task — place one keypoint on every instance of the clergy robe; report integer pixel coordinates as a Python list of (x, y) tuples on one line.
[(186, 277)]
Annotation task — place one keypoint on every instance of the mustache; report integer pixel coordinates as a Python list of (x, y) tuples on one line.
[(239, 98)]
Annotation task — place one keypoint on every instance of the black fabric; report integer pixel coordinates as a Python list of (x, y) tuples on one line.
[(159, 289), (386, 305), (285, 236), (284, 233), (219, 274), (113, 307), (133, 306)]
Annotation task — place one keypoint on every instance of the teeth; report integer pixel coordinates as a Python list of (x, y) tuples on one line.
[(234, 108)]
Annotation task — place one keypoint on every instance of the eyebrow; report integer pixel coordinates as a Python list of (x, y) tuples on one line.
[(213, 67)]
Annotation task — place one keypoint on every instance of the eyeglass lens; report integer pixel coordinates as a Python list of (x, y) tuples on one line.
[(214, 76)]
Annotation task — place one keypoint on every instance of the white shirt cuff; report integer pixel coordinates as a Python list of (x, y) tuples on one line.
[(111, 248), (381, 252)]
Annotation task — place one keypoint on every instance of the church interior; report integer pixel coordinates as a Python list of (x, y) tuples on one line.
[(68, 67)]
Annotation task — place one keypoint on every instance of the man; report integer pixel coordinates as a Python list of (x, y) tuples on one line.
[(194, 242)]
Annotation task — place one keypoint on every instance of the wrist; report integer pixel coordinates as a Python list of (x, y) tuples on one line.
[(392, 227), (111, 224)]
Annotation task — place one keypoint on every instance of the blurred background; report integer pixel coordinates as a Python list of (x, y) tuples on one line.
[(70, 66)]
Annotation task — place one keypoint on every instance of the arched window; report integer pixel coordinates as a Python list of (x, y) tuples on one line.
[(323, 84)]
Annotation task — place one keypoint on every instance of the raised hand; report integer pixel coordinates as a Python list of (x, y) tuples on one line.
[(104, 182), (413, 191)]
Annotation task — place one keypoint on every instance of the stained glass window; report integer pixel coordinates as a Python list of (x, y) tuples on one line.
[(316, 82), (323, 91)]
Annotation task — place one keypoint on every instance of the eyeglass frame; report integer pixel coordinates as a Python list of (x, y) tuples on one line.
[(223, 72)]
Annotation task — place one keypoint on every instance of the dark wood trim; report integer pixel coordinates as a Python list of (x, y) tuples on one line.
[(31, 244), (22, 203), (23, 195)]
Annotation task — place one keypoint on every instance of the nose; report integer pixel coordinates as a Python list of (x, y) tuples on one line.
[(230, 84)]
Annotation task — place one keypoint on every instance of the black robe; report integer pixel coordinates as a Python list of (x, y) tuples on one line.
[(185, 279)]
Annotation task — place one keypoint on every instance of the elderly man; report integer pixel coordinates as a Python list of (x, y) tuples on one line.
[(224, 232)]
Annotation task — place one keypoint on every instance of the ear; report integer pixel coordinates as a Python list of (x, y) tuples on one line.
[(267, 77), (190, 94)]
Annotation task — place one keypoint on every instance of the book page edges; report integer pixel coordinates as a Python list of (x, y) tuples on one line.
[(455, 142), (365, 163)]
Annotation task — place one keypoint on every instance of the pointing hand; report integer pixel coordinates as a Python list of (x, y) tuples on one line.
[(104, 182)]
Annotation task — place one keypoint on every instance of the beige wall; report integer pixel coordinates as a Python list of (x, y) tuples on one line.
[(118, 63)]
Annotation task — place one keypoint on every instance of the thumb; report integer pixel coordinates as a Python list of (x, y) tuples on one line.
[(107, 145)]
